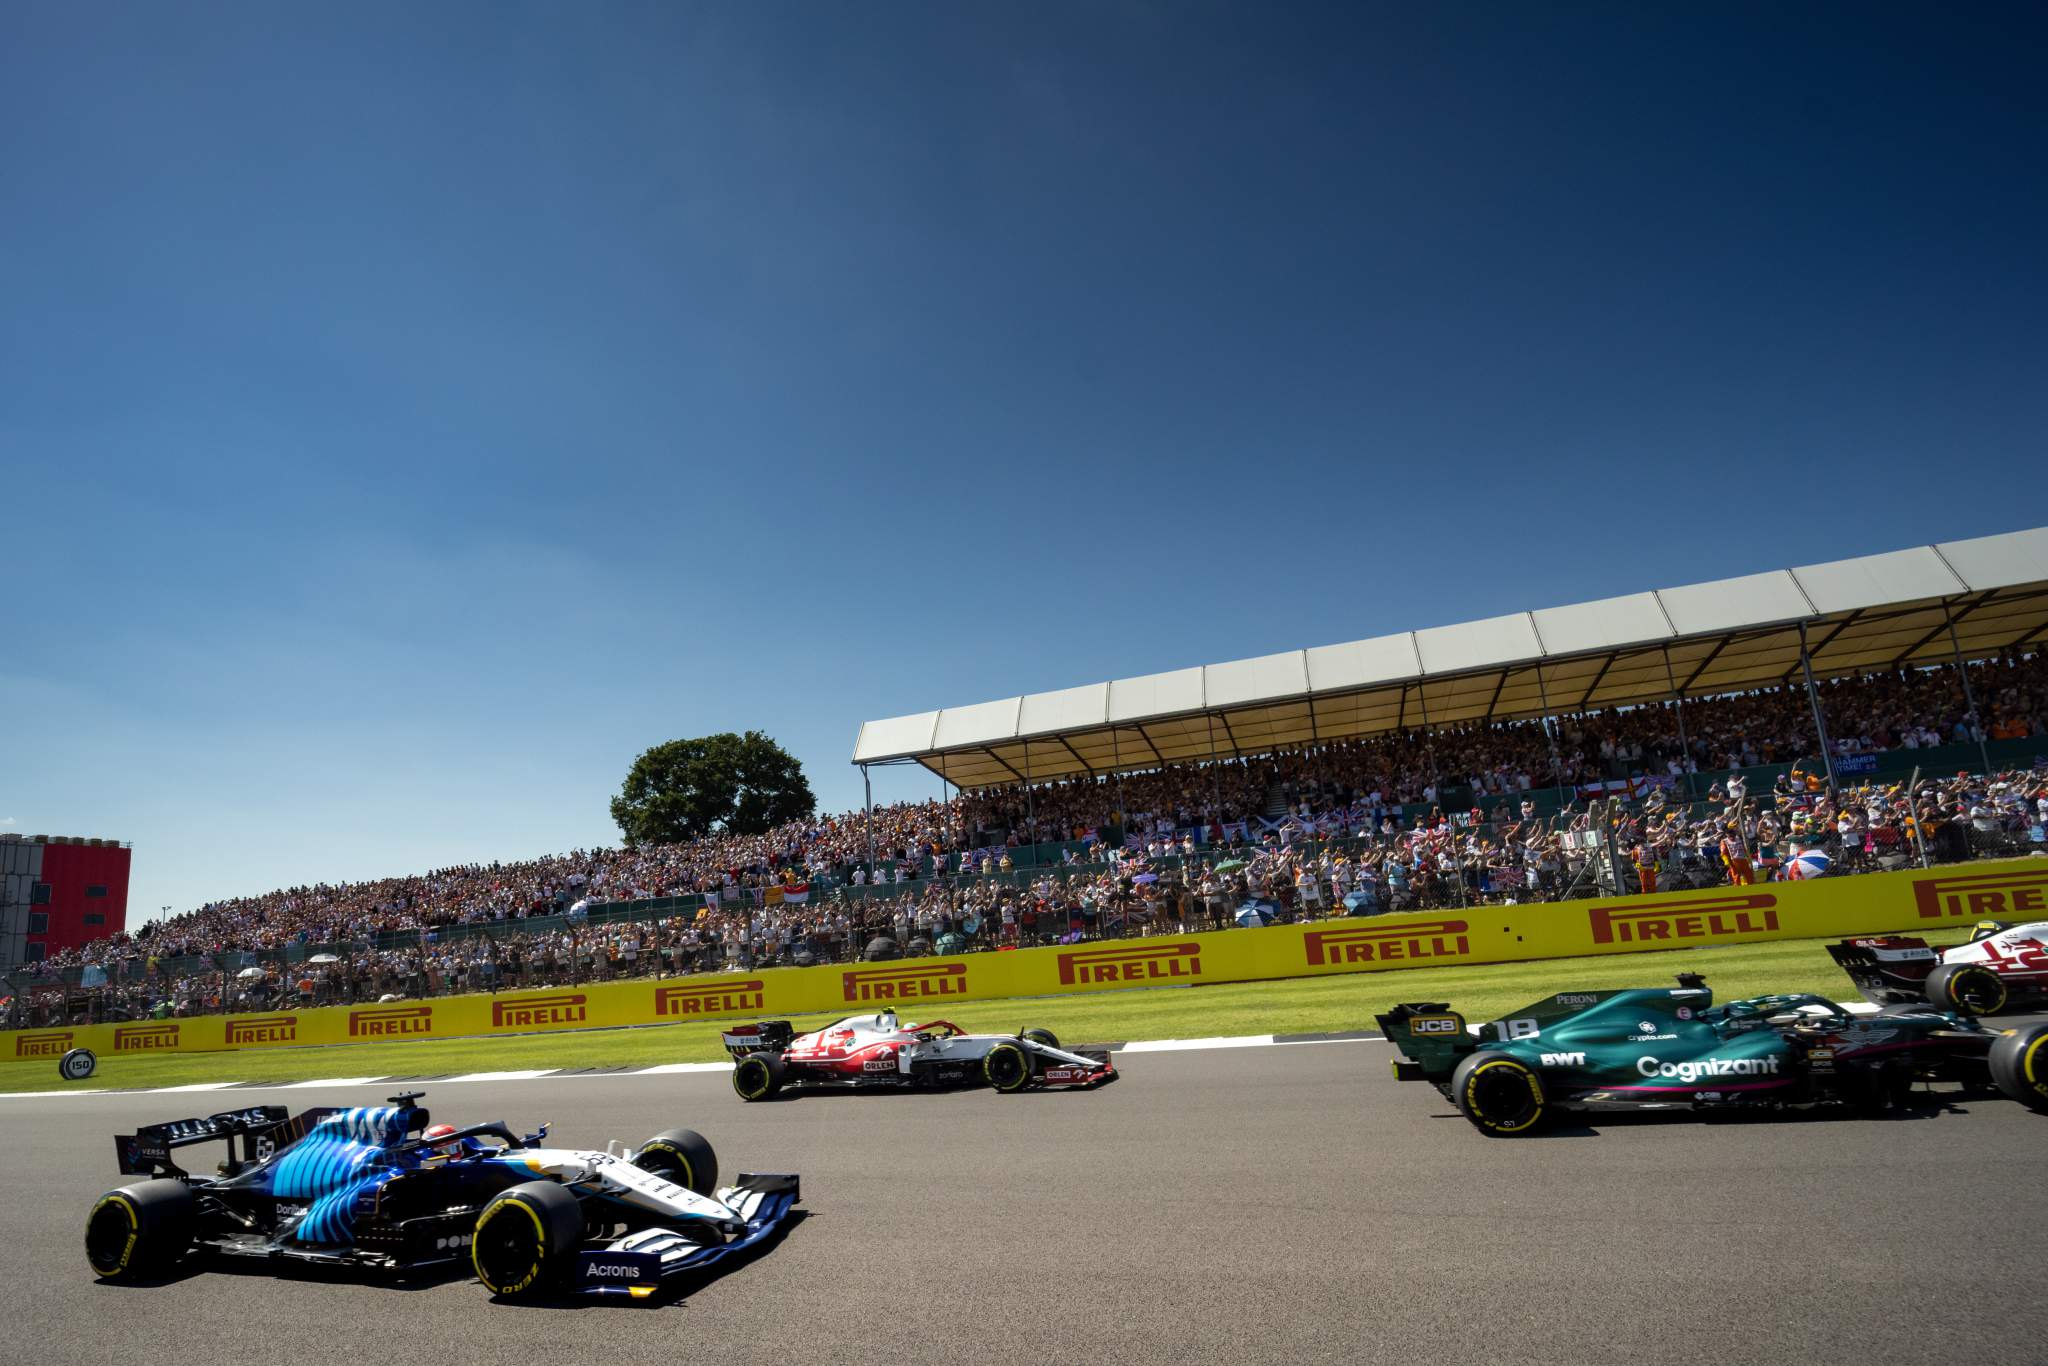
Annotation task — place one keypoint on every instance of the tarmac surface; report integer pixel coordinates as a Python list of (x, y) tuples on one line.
[(1289, 1203)]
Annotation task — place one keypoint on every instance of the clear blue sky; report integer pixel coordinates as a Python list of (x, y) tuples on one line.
[(410, 412)]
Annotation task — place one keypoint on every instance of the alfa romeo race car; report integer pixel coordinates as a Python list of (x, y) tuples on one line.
[(877, 1051), (2003, 967), (1674, 1049), (377, 1187)]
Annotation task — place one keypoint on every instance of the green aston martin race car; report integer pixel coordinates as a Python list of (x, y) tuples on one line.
[(1672, 1048)]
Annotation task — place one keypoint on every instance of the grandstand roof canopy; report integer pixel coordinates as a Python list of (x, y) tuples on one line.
[(1872, 612)]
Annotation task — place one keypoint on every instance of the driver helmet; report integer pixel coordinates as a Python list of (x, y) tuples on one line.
[(886, 1020), (452, 1148)]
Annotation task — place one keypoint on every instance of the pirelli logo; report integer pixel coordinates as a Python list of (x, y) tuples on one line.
[(1984, 896), (907, 984), (540, 1012), (1417, 941), (1707, 917), (140, 1038), (1149, 963), (263, 1029), (53, 1044), (724, 998), (390, 1022)]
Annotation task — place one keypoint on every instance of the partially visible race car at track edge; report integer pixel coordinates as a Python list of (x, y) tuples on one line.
[(878, 1052), (2003, 967), (1674, 1049), (378, 1187)]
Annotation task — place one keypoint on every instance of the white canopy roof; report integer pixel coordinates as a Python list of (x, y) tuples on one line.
[(1872, 612)]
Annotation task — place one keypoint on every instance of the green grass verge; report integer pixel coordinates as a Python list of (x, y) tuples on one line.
[(1312, 1005)]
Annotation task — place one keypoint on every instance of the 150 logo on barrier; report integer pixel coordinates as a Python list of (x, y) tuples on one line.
[(1387, 943), (49, 1045), (1984, 896), (137, 1038), (263, 1029), (538, 1012), (390, 1022), (723, 998), (907, 984), (1146, 964), (1710, 917)]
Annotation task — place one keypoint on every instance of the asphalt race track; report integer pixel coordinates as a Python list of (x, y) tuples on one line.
[(1286, 1203)]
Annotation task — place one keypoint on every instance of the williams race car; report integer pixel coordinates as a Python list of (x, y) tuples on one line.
[(2003, 967), (876, 1051), (1674, 1049), (378, 1187)]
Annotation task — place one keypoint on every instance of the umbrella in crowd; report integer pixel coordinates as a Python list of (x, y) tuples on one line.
[(1808, 863), (1145, 877), (1230, 865), (246, 973), (1361, 903), (1254, 913), (323, 958)]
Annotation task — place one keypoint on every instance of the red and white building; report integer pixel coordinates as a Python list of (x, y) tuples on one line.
[(58, 892)]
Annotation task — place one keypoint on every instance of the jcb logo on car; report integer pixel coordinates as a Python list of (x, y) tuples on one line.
[(725, 998), (137, 1038), (1435, 1026), (1151, 963), (264, 1029), (390, 1022), (1983, 896), (1711, 917), (1388, 943), (906, 984), (538, 1012), (52, 1045)]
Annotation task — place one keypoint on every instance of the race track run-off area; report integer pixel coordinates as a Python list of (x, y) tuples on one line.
[(1226, 1205)]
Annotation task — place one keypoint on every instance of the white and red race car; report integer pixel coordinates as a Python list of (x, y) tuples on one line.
[(878, 1051), (2003, 967)]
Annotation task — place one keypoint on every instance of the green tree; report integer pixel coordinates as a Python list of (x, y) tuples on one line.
[(713, 785)]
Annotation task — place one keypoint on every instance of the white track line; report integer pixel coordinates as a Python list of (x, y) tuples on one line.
[(323, 1081), (670, 1069), (524, 1074), (1181, 1045)]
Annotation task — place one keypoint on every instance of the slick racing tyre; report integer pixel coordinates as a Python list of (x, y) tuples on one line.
[(1007, 1067), (2019, 1065), (526, 1240), (1037, 1035), (758, 1076), (683, 1156), (140, 1230), (1967, 988), (77, 1065), (1499, 1093)]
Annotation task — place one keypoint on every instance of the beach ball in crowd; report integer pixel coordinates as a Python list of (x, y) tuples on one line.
[(1806, 864)]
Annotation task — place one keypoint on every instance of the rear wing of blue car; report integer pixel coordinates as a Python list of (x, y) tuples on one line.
[(262, 1129)]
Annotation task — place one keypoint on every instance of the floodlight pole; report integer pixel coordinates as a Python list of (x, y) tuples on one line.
[(1820, 724), (1684, 745), (868, 806), (1969, 694)]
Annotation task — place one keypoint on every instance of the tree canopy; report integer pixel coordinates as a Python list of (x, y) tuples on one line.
[(713, 785)]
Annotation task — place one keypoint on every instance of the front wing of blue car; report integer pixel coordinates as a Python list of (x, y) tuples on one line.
[(637, 1264)]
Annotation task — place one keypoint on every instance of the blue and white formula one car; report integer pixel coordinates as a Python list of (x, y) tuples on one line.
[(380, 1187)]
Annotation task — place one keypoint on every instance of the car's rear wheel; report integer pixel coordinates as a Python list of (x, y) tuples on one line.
[(2019, 1065), (683, 1156), (526, 1239), (140, 1230), (1007, 1067), (1966, 987), (1500, 1094), (758, 1076), (1040, 1036)]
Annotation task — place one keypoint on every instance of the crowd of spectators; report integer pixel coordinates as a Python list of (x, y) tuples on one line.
[(1186, 845)]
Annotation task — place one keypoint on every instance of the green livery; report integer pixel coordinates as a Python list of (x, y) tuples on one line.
[(1672, 1048)]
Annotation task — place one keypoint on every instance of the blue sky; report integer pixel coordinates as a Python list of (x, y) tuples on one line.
[(408, 413)]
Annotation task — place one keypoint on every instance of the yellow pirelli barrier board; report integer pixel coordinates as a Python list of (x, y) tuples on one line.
[(1868, 904)]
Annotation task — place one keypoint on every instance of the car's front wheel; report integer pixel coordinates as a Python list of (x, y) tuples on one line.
[(1007, 1067), (526, 1239), (2019, 1065), (1500, 1094), (140, 1230), (683, 1156)]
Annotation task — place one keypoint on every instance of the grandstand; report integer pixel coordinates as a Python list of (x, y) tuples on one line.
[(1952, 602)]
